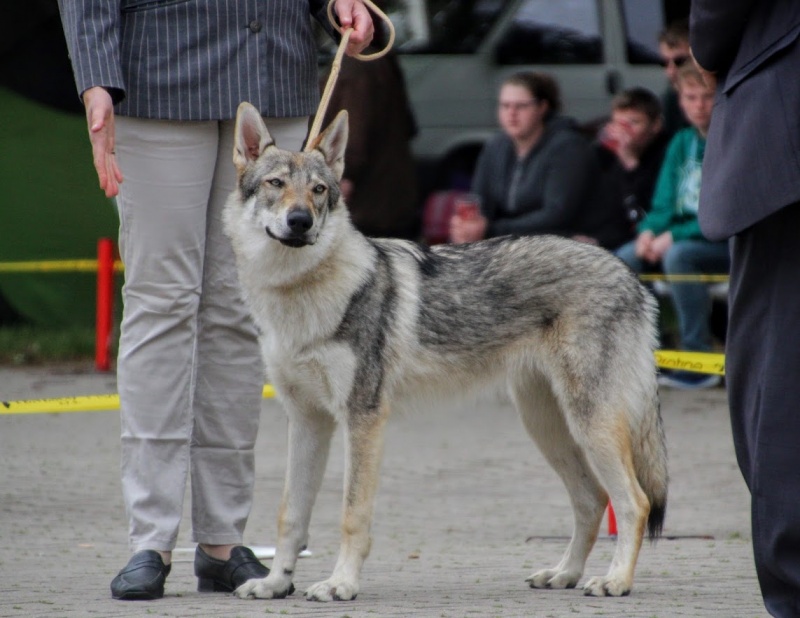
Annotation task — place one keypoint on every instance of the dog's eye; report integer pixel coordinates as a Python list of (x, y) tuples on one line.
[(320, 189), (276, 182)]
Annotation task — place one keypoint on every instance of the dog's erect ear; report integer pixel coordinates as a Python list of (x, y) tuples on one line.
[(332, 143), (251, 137)]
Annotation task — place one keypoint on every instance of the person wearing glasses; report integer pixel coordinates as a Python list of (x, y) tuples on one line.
[(532, 177), (673, 47)]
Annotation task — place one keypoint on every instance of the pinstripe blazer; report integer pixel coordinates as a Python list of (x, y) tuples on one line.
[(196, 59)]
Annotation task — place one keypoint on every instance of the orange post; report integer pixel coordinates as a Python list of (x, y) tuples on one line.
[(105, 303), (612, 521)]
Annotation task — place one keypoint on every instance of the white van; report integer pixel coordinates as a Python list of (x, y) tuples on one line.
[(455, 54)]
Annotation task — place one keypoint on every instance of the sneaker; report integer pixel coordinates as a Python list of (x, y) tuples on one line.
[(688, 380)]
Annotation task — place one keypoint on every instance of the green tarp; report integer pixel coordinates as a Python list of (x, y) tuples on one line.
[(51, 208)]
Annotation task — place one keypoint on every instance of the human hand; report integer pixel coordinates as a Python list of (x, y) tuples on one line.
[(468, 229), (354, 14), (618, 137), (643, 242), (659, 247), (100, 118)]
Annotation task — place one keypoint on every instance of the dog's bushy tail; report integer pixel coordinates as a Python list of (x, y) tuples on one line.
[(650, 465), (650, 450)]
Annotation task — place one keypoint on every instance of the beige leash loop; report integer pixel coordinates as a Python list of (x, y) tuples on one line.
[(337, 63)]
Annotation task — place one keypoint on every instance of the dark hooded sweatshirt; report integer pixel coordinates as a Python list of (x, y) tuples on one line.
[(542, 193)]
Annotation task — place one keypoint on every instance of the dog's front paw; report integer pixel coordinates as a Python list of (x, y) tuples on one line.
[(266, 588), (608, 586), (333, 589), (553, 578)]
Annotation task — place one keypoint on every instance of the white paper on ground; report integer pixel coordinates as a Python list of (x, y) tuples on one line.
[(261, 552)]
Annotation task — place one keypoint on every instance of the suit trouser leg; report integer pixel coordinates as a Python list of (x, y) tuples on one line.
[(189, 369), (763, 377)]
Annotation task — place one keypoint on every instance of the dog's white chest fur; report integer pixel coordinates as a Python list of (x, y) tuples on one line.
[(298, 319)]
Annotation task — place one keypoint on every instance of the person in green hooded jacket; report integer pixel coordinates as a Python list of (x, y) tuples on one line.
[(669, 237)]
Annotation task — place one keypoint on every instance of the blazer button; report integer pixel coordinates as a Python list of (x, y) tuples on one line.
[(255, 26)]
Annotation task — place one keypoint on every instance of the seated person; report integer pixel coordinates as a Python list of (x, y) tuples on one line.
[(673, 47), (532, 177), (628, 157), (670, 237)]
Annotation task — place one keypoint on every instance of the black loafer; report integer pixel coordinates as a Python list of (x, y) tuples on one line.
[(214, 575), (142, 579)]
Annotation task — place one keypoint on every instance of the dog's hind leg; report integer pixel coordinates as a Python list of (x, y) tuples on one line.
[(545, 422), (310, 433), (364, 443), (609, 448)]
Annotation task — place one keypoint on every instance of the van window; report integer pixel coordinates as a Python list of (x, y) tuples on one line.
[(643, 23), (547, 32), (445, 26)]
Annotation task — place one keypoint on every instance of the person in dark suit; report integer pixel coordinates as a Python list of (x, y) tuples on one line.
[(751, 193), (161, 82)]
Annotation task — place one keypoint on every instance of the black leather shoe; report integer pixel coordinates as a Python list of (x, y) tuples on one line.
[(142, 579), (214, 575)]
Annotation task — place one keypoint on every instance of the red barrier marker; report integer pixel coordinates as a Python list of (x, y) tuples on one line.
[(612, 521), (105, 303)]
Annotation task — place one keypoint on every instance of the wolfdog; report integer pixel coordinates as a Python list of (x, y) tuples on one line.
[(349, 325)]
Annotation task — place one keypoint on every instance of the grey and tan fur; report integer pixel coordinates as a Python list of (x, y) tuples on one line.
[(351, 324)]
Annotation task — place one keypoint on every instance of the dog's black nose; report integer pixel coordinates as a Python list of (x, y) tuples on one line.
[(299, 220)]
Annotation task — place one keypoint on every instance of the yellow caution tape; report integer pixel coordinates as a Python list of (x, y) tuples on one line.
[(55, 266), (697, 278), (91, 266), (85, 403), (699, 362)]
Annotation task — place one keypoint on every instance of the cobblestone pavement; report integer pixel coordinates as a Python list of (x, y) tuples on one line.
[(467, 509)]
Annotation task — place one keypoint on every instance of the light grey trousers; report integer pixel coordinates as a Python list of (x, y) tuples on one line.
[(189, 370)]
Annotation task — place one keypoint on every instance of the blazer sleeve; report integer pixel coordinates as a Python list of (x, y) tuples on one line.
[(91, 29), (715, 29)]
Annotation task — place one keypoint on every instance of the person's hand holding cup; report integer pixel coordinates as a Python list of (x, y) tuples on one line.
[(467, 223)]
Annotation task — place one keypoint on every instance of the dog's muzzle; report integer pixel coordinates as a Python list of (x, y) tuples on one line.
[(299, 221)]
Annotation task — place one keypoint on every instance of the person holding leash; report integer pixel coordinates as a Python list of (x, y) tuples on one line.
[(750, 193), (161, 82)]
